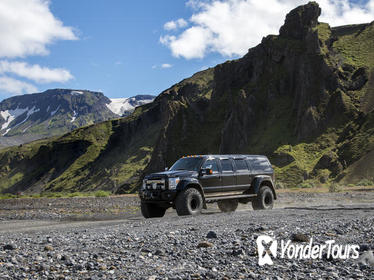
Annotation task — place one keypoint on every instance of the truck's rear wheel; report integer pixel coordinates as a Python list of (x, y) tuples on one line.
[(264, 200), (228, 205), (152, 210), (189, 202)]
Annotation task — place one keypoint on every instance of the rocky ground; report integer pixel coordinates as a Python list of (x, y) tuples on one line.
[(57, 241), (72, 208)]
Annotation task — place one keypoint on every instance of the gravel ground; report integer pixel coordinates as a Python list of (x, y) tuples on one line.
[(75, 208), (210, 246)]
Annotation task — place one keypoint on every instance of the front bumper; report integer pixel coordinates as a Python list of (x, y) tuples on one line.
[(158, 195)]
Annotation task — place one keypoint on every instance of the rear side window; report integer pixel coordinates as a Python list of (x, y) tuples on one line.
[(226, 165), (260, 164), (241, 165), (211, 164)]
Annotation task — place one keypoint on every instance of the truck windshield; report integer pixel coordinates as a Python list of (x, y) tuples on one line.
[(191, 164)]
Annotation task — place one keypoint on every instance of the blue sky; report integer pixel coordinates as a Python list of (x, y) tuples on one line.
[(124, 48), (119, 50)]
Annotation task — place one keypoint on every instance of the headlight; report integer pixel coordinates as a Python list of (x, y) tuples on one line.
[(173, 182), (144, 185)]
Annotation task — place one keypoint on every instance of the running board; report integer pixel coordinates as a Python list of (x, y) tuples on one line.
[(216, 198)]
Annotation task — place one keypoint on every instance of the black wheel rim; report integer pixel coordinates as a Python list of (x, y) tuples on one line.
[(267, 199), (194, 203)]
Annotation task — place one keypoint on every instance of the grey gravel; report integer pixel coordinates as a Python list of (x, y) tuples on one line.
[(9, 247), (211, 234), (184, 247)]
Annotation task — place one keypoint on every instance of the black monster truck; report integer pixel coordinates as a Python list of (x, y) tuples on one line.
[(194, 181)]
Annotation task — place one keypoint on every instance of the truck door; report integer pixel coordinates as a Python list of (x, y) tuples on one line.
[(243, 175), (228, 176), (211, 182)]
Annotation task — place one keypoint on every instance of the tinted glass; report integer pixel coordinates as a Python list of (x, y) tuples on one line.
[(226, 165), (192, 164), (240, 164), (212, 164), (260, 164)]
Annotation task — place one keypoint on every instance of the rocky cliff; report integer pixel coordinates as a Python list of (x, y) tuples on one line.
[(304, 98)]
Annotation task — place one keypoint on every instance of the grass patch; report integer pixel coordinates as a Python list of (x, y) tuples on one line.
[(357, 47), (102, 193), (334, 187), (324, 34), (365, 183), (99, 193), (8, 196), (305, 185)]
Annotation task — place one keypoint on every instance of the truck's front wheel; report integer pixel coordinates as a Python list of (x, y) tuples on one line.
[(189, 202), (264, 199), (152, 210)]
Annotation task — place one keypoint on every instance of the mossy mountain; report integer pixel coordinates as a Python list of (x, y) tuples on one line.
[(305, 98), (54, 112)]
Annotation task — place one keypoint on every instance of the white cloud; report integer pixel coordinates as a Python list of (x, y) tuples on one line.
[(14, 86), (166, 65), (162, 66), (173, 25), (28, 26), (192, 43), (230, 27), (35, 72), (344, 12)]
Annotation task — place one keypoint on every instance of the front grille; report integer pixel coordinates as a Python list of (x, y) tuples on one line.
[(155, 184)]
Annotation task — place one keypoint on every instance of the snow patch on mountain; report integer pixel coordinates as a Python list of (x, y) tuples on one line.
[(26, 128), (121, 106), (74, 116), (55, 111), (11, 115), (76, 92)]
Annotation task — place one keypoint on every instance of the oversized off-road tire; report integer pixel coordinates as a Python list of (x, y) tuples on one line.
[(152, 210), (189, 202), (228, 205), (264, 199)]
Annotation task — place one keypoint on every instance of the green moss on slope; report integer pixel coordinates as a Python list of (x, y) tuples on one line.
[(356, 46)]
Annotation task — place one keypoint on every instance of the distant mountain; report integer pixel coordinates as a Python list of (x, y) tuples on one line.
[(125, 106), (54, 112)]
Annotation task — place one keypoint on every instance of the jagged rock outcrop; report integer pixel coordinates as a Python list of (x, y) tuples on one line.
[(300, 21)]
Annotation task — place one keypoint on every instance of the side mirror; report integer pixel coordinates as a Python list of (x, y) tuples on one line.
[(166, 168), (206, 171)]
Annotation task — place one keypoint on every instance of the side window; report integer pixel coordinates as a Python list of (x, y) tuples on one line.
[(260, 165), (241, 165), (226, 165), (212, 164)]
